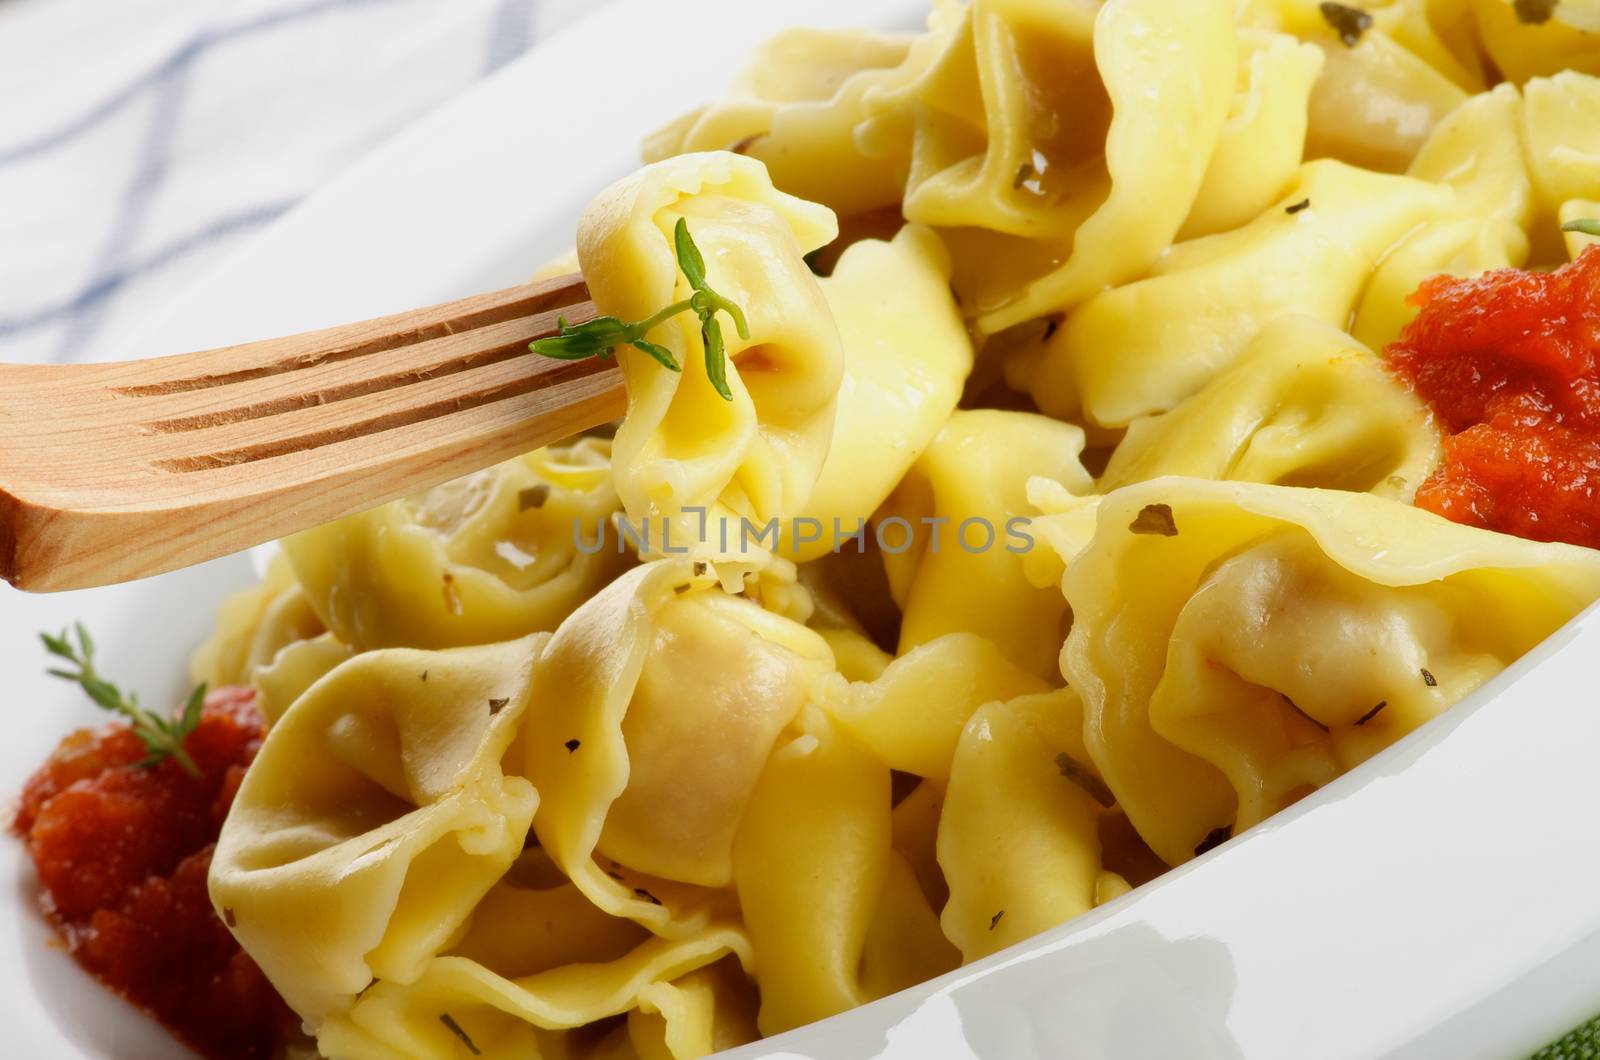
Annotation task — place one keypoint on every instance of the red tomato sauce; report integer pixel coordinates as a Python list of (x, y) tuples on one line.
[(122, 853), (1510, 362)]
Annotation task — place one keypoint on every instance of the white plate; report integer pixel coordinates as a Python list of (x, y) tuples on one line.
[(1443, 900)]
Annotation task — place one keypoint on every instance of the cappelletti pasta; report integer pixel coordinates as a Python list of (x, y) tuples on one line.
[(1057, 523)]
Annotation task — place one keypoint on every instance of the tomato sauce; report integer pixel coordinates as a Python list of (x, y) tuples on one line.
[(122, 853), (1510, 362)]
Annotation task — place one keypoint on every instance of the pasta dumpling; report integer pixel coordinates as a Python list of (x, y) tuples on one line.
[(835, 911), (906, 355), (253, 625), (1394, 70), (534, 1015), (1561, 126), (1304, 405), (1018, 832), (489, 557), (1055, 132), (654, 710), (1263, 141), (1523, 48), (1477, 152), (795, 108), (1142, 348), (1238, 645), (954, 551), (755, 457), (912, 712), (375, 817)]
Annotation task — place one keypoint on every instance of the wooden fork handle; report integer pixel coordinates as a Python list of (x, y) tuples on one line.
[(110, 472)]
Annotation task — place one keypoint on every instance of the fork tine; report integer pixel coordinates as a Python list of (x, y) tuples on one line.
[(259, 360), (341, 379), (413, 405), (116, 471)]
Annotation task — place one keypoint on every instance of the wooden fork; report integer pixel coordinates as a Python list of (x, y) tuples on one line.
[(110, 472)]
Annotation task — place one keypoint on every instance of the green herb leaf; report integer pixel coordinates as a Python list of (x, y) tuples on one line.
[(716, 358), (575, 343), (689, 259), (602, 335), (660, 353), (162, 737), (1589, 226)]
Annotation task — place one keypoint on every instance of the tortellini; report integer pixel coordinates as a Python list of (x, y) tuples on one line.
[(911, 713), (755, 457), (1142, 348), (1477, 152), (1019, 829), (1238, 645), (1304, 405), (492, 556), (795, 108), (374, 819), (656, 706), (1054, 133), (906, 354), (834, 910), (1264, 137), (457, 1000), (1388, 80), (253, 625), (1561, 126), (959, 530), (1522, 47)]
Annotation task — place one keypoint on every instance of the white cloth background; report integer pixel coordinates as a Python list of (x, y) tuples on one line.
[(142, 140)]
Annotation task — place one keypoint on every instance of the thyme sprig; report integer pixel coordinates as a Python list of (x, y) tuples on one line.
[(602, 335), (1589, 226), (162, 737)]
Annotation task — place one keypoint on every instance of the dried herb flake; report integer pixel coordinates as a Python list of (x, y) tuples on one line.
[(647, 896), (1373, 713), (1074, 771), (1294, 208), (1348, 22), (424, 677), (1428, 678), (1155, 519), (455, 1028), (1534, 12), (1296, 708), (700, 568), (572, 745), (497, 705), (996, 919), (533, 497)]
